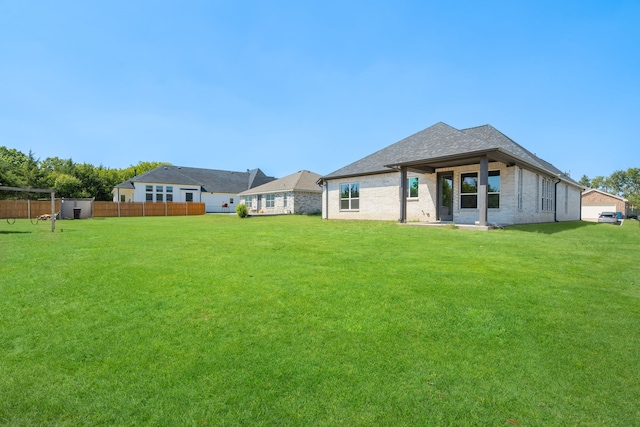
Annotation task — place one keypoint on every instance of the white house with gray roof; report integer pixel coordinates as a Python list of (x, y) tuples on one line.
[(298, 193), (217, 189), (442, 174)]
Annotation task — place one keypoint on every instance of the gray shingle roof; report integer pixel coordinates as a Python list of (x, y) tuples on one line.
[(442, 141), (303, 180), (211, 180)]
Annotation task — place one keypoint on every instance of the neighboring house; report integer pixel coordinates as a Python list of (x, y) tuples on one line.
[(442, 174), (595, 201), (298, 193), (217, 189)]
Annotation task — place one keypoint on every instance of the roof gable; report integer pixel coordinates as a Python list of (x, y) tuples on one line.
[(303, 180), (604, 193), (442, 141)]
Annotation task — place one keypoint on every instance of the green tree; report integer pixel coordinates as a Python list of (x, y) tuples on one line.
[(600, 182), (67, 185), (32, 175), (585, 181)]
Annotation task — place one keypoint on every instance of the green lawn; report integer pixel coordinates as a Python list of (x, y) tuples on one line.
[(216, 320)]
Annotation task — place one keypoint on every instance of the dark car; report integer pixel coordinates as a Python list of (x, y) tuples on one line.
[(608, 217)]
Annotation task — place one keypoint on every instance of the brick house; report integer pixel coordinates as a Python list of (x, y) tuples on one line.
[(298, 193), (442, 174), (595, 201)]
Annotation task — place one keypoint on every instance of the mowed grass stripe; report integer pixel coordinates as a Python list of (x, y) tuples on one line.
[(298, 321)]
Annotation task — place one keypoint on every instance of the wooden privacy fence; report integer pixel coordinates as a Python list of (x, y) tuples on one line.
[(10, 209), (129, 209)]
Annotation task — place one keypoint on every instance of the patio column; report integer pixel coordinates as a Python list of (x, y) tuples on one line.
[(403, 194), (483, 191)]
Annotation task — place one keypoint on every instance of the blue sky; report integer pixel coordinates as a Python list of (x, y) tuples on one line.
[(290, 85)]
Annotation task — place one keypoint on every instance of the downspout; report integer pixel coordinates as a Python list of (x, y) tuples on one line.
[(326, 199), (555, 200)]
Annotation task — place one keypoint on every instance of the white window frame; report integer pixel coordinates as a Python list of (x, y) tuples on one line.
[(352, 203), (270, 200)]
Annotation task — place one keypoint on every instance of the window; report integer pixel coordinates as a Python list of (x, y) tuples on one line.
[(493, 188), (188, 197), (149, 188), (520, 189), (158, 197), (231, 201), (546, 201), (169, 197), (271, 200), (412, 187), (285, 200), (566, 199), (149, 197), (350, 196), (169, 189), (469, 190), (537, 192), (158, 188), (248, 200)]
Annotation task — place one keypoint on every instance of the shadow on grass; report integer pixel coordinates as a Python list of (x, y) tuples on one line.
[(553, 227), (14, 232)]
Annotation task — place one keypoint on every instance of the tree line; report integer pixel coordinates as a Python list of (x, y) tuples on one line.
[(67, 178), (621, 183)]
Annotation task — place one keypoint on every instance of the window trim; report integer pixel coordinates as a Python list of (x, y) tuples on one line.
[(270, 200), (409, 188), (469, 194), (494, 193), (350, 199), (463, 175)]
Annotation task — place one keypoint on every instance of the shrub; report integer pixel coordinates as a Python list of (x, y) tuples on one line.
[(242, 211)]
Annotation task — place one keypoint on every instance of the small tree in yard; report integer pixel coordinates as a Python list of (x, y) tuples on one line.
[(242, 210)]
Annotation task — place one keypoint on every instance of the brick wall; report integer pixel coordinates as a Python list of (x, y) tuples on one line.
[(380, 198), (597, 198)]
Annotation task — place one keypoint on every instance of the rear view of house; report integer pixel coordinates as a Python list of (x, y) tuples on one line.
[(442, 174), (217, 189), (298, 193)]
